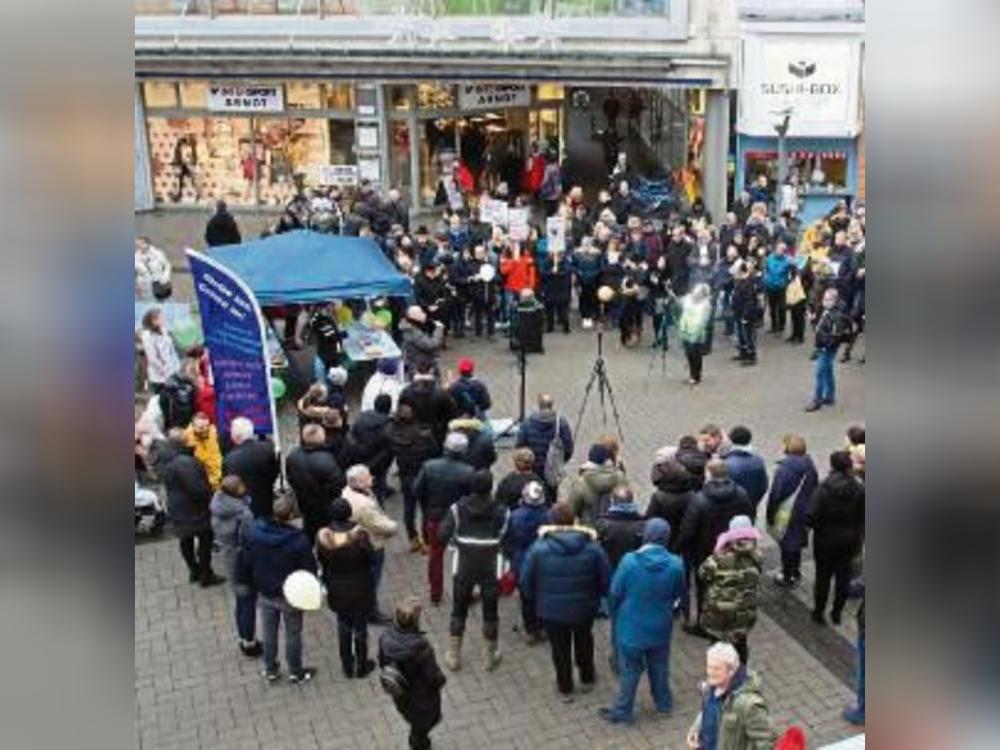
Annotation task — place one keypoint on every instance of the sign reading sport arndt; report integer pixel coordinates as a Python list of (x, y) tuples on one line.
[(245, 98), (490, 95), (816, 79)]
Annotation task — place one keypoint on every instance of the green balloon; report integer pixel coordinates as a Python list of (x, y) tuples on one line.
[(384, 318), (278, 388), (188, 335)]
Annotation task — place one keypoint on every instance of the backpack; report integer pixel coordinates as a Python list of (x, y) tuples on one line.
[(177, 402), (555, 457), (392, 680)]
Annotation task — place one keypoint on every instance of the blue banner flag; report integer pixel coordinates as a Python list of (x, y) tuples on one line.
[(234, 335)]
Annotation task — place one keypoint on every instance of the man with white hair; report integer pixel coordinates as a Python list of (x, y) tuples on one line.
[(441, 482), (366, 513), (734, 714), (255, 462), (423, 339)]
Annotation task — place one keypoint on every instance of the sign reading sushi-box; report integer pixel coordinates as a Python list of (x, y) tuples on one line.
[(490, 95), (253, 98)]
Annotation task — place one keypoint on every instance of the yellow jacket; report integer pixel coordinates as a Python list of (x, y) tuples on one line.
[(208, 453)]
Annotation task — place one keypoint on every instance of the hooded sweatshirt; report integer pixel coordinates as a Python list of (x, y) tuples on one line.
[(593, 483), (412, 654), (276, 550), (643, 591)]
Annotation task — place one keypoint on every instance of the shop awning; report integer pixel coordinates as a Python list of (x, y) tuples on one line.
[(305, 267)]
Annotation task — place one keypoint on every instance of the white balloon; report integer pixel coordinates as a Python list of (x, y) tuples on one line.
[(303, 591), (487, 273)]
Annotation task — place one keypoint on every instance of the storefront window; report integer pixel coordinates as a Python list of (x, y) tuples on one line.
[(546, 128), (815, 170), (302, 95), (399, 153), (194, 94), (551, 91), (437, 154), (160, 95), (400, 98), (435, 96), (197, 160), (339, 96)]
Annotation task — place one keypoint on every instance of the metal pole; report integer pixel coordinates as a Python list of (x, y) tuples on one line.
[(782, 130)]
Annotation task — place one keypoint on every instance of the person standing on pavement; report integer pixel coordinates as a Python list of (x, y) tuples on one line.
[(432, 406), (694, 319), (368, 514), (795, 482), (745, 310), (385, 380), (411, 445), (566, 573), (538, 432), (477, 527), (644, 590), (203, 439), (188, 497), (856, 714), (276, 550), (316, 479), (590, 492), (525, 521), (708, 516), (734, 714), (347, 560), (470, 394), (255, 462), (777, 275), (441, 482), (221, 228), (509, 491), (369, 444), (832, 328), (404, 649), (162, 361), (746, 467), (232, 522), (837, 517), (731, 580)]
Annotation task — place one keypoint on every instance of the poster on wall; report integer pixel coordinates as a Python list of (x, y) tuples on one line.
[(255, 98), (490, 95), (234, 337), (816, 81), (369, 169)]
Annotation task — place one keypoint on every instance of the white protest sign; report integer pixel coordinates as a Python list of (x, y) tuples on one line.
[(517, 219), (454, 195), (494, 212), (555, 231)]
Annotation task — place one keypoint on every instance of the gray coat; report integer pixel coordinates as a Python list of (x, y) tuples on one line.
[(421, 348), (231, 526)]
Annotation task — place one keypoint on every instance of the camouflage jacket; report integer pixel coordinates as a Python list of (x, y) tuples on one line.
[(732, 579)]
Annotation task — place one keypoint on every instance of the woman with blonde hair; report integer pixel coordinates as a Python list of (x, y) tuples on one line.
[(693, 321), (795, 481)]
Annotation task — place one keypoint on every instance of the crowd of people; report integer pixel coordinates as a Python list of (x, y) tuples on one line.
[(575, 548)]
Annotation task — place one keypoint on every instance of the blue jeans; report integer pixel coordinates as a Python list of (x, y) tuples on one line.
[(631, 663), (246, 615), (824, 377), (747, 338), (271, 613)]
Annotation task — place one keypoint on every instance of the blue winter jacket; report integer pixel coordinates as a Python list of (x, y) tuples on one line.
[(522, 531), (777, 272), (587, 267), (566, 573), (537, 432), (793, 473), (643, 591), (749, 471), (275, 551)]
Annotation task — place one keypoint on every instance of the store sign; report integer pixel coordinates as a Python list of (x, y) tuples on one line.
[(343, 175), (234, 337), (816, 80), (490, 95), (245, 98)]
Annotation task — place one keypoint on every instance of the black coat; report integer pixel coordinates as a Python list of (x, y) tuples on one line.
[(347, 569), (369, 444), (670, 502), (708, 515), (508, 492), (222, 230), (256, 463), (412, 654), (694, 460), (837, 515), (677, 262), (188, 491), (477, 527), (316, 479), (481, 453), (557, 283), (744, 300), (411, 445), (620, 532), (432, 406), (440, 483)]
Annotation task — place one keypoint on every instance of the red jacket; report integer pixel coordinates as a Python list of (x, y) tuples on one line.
[(520, 273), (533, 175)]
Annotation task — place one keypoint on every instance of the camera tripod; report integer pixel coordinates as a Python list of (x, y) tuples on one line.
[(659, 347), (605, 393)]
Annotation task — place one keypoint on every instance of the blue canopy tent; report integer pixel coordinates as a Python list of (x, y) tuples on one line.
[(304, 267)]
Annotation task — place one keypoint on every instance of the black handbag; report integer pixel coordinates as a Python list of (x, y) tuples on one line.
[(162, 290)]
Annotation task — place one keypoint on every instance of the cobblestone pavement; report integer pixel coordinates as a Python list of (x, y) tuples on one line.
[(193, 689)]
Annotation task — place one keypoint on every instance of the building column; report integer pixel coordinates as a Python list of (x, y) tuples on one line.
[(715, 152), (143, 176), (413, 125)]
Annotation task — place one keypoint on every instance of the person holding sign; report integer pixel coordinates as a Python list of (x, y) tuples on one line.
[(557, 286)]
